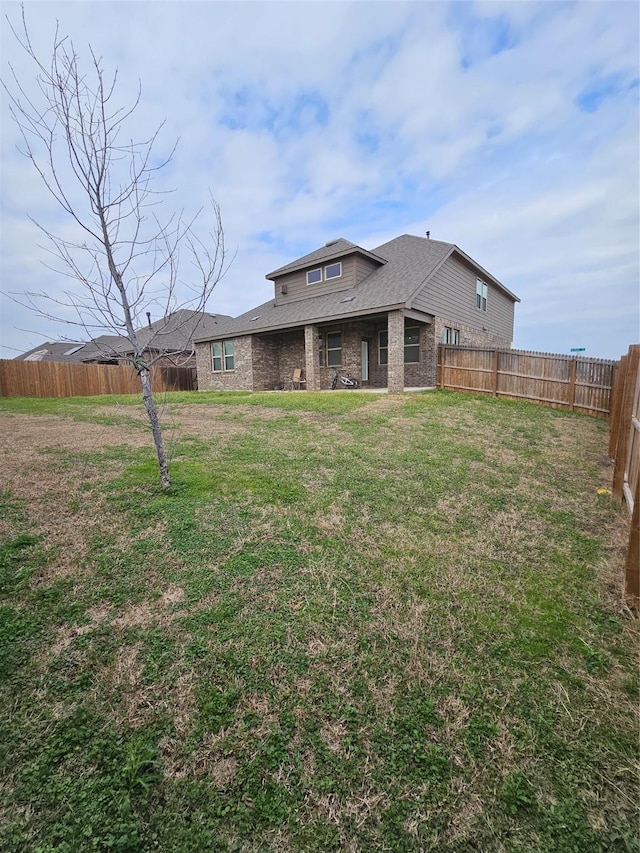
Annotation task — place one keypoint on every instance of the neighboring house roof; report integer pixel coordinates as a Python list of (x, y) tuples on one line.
[(409, 262), (171, 334), (53, 351), (333, 249), (176, 331), (104, 347)]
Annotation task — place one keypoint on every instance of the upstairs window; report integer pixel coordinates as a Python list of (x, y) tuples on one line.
[(333, 271), (329, 272), (451, 336), (481, 295)]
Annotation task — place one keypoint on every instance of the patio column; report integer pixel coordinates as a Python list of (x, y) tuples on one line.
[(395, 368), (311, 364)]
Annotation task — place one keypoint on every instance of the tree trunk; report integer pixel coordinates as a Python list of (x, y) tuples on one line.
[(154, 420)]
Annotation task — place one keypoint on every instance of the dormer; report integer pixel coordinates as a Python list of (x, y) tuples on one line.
[(338, 265)]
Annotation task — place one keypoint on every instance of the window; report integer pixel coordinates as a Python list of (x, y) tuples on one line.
[(451, 336), (229, 361), (411, 345), (334, 349), (222, 357), (330, 271), (383, 347), (481, 295), (333, 271), (216, 357)]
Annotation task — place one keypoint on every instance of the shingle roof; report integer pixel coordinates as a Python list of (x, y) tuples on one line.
[(176, 331), (104, 347), (410, 261), (53, 351), (407, 263)]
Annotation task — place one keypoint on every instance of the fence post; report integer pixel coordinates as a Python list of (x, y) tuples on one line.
[(440, 371), (615, 402), (496, 371), (632, 571), (624, 433)]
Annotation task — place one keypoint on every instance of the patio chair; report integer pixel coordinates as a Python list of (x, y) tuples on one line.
[(296, 380)]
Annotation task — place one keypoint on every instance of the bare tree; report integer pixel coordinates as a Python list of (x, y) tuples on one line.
[(125, 257)]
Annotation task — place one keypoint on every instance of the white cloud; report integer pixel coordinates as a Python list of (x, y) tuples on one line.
[(367, 120)]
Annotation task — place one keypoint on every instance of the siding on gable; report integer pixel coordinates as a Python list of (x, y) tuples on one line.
[(451, 293), (364, 267), (297, 287)]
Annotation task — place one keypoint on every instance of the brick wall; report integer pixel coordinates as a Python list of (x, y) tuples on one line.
[(291, 356), (469, 336), (312, 362), (238, 379), (395, 368), (264, 357)]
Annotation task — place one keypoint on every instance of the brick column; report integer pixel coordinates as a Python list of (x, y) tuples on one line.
[(311, 363), (395, 370)]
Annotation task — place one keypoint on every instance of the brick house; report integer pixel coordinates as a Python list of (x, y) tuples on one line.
[(377, 314)]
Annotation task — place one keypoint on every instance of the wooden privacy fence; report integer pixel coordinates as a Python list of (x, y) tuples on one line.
[(579, 384), (624, 449), (69, 379)]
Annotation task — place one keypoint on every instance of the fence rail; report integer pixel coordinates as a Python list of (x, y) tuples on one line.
[(624, 449), (579, 384), (68, 379)]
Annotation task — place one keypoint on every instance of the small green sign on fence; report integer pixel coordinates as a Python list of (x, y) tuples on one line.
[(577, 349)]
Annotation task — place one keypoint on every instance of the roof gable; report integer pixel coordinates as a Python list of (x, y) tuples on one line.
[(332, 250)]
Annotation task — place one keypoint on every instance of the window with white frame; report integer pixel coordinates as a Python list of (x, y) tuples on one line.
[(222, 356), (333, 271), (481, 295), (450, 335), (327, 273), (411, 345), (334, 349)]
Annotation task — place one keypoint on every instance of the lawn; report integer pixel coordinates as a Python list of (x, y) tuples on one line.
[(355, 623)]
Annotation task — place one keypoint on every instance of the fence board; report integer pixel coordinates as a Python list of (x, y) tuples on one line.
[(624, 448), (580, 384), (68, 379)]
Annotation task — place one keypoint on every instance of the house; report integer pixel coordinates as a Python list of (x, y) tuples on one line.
[(53, 351), (168, 340), (377, 314)]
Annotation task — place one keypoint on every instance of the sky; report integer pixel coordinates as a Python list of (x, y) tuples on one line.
[(508, 128)]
